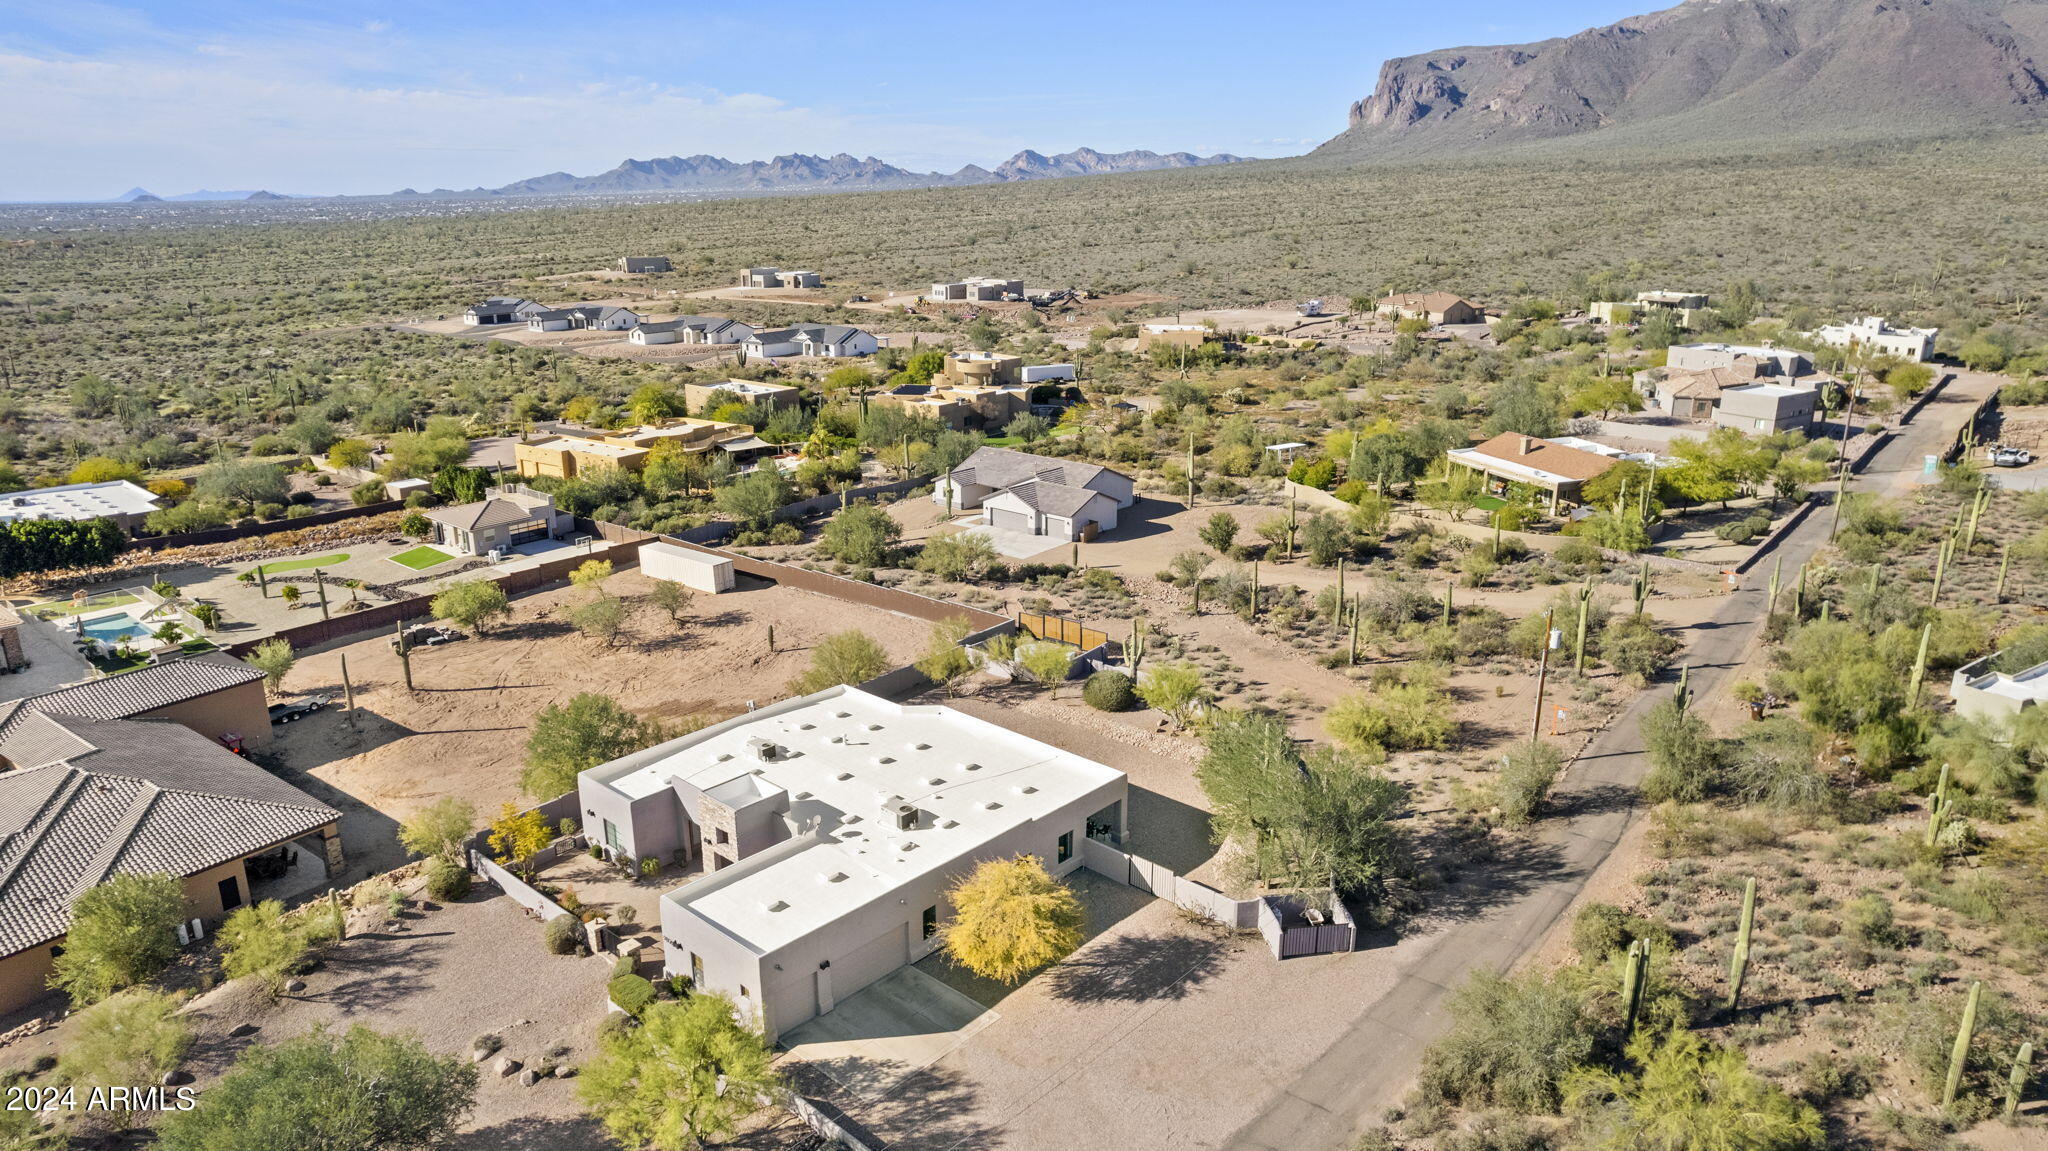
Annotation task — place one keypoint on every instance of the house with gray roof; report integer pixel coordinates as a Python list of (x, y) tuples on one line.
[(505, 518), (691, 330), (1037, 495), (829, 341), (213, 694), (589, 317), (83, 799), (502, 310)]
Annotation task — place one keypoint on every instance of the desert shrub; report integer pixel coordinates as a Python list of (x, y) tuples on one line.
[(631, 992), (1512, 1043), (1109, 691), (1525, 780), (447, 880), (564, 935), (1686, 760), (1678, 829), (1601, 929), (1871, 918), (1774, 767)]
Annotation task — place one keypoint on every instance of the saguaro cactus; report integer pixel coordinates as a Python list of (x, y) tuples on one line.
[(1977, 506), (1136, 648), (1919, 668), (1449, 585), (1937, 809), (1777, 577), (2016, 1083), (1682, 695), (2004, 567), (1642, 588), (1738, 967), (1255, 589), (1941, 558), (1960, 1054), (1585, 610), (1635, 982)]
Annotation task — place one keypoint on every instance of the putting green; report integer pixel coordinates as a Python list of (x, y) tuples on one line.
[(279, 567), (422, 557)]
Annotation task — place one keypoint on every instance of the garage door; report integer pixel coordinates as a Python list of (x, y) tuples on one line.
[(870, 961), (1011, 521)]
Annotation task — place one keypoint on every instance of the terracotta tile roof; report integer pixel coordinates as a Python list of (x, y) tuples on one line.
[(1426, 301), (1544, 455)]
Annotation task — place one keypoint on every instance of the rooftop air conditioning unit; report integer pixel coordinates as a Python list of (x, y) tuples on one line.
[(906, 817)]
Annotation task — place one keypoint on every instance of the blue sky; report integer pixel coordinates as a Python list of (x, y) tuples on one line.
[(371, 97)]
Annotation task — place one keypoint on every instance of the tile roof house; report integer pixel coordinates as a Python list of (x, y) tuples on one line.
[(829, 827), (89, 798), (1511, 457), (213, 694), (506, 518), (1037, 495), (1436, 307)]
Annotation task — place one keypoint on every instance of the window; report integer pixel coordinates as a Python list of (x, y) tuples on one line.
[(931, 922), (1066, 847), (611, 836), (723, 836), (696, 969), (743, 991)]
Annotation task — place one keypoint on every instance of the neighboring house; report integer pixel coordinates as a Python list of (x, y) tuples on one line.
[(1555, 467), (1981, 691), (213, 694), (119, 500), (1877, 335), (86, 798), (830, 827), (982, 369), (1774, 360), (691, 330), (594, 319), (642, 265), (1037, 495), (777, 278), (569, 456), (1436, 307), (1174, 335), (1683, 307), (1761, 409), (825, 340), (959, 406), (506, 518), (711, 397), (1693, 394), (502, 310), (978, 288)]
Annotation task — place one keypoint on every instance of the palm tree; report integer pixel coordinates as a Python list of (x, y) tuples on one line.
[(169, 633), (352, 585)]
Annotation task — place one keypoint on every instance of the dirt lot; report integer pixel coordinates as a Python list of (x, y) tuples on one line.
[(463, 730)]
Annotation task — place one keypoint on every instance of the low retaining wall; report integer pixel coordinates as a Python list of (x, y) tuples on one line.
[(223, 535), (384, 615), (1338, 935), (1160, 880), (565, 806), (853, 591)]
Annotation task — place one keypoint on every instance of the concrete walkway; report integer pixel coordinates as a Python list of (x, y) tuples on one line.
[(1372, 1065), (903, 1022)]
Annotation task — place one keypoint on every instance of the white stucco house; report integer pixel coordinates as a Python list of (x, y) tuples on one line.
[(1878, 335), (502, 310), (1982, 691), (126, 503), (829, 828), (1037, 495), (593, 318), (830, 341), (691, 330)]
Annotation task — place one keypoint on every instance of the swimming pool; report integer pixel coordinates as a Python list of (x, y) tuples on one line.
[(117, 628)]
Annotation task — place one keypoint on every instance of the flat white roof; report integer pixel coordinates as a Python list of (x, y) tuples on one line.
[(750, 387), (1774, 391), (847, 761), (1176, 327), (77, 502), (1757, 350)]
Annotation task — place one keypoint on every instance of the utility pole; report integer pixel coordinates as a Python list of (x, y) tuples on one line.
[(1542, 678), (1191, 470), (348, 691)]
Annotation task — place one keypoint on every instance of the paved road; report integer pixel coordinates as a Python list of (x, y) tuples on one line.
[(1373, 1063)]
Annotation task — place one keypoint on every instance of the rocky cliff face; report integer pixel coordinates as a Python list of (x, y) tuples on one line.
[(1721, 70)]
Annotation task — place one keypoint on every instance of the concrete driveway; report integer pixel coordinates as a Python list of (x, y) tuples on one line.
[(1022, 545), (902, 1023)]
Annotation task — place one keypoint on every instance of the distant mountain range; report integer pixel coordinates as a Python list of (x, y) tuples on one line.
[(714, 174), (1720, 71)]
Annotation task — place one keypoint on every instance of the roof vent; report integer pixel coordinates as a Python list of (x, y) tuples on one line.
[(805, 726), (991, 805), (920, 747), (842, 714), (950, 823), (882, 759), (874, 727), (934, 781), (723, 756), (843, 776), (803, 795), (765, 750), (1027, 789), (834, 877), (778, 905), (906, 817), (970, 767)]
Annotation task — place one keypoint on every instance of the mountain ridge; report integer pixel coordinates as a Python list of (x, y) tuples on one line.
[(1718, 71)]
